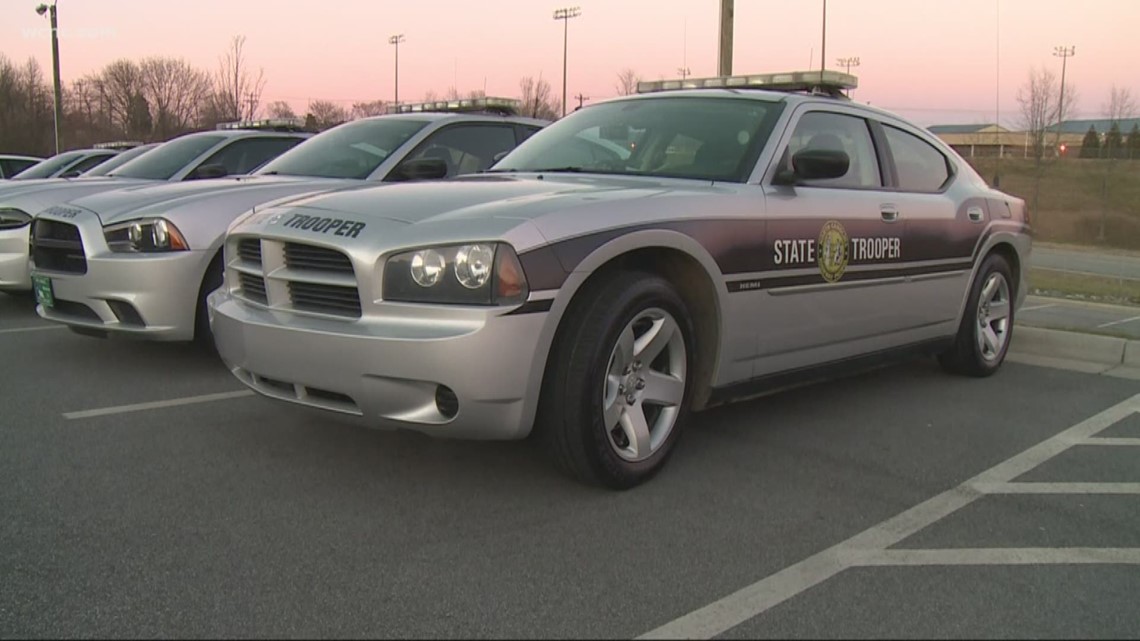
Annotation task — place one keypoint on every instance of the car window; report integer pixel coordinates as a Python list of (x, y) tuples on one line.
[(118, 160), (168, 159), (526, 131), (49, 167), (837, 132), (88, 163), (683, 137), (352, 150), (920, 166), (467, 148), (244, 155), (12, 166)]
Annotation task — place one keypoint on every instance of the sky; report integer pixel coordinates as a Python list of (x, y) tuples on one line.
[(934, 61)]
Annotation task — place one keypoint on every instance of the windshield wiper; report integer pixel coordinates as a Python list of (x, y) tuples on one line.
[(269, 173), (560, 170)]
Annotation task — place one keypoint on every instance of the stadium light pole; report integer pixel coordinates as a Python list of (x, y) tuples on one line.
[(50, 10), (564, 15), (847, 63), (1063, 53), (396, 40)]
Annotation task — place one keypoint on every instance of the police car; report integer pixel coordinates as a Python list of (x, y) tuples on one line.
[(645, 257), (139, 261), (190, 157)]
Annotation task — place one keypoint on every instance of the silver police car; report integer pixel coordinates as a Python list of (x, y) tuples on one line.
[(139, 262), (640, 259)]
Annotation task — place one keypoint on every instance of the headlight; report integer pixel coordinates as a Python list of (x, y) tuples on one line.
[(11, 218), (473, 274), (145, 235)]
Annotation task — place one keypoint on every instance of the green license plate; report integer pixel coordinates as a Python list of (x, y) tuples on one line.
[(44, 294)]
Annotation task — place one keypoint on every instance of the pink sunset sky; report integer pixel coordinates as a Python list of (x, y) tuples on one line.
[(931, 60)]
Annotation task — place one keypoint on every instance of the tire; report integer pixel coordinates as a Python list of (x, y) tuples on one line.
[(603, 375), (210, 281), (987, 325)]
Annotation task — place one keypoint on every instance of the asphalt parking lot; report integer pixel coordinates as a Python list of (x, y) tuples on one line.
[(145, 494)]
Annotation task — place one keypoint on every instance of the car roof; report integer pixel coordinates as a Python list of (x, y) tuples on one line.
[(21, 157), (437, 116)]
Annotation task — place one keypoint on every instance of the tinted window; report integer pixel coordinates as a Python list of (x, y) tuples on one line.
[(466, 148), (88, 163), (243, 156), (921, 167), (118, 160), (837, 132), (51, 166), (352, 150), (12, 166), (168, 159), (682, 137)]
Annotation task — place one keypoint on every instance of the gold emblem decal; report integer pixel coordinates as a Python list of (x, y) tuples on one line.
[(833, 251)]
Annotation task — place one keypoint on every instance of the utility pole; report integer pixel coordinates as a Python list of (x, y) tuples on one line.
[(823, 45), (396, 40), (1063, 53), (581, 99), (42, 9), (684, 72), (724, 51), (564, 15)]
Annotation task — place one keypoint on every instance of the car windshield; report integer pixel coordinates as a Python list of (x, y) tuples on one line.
[(118, 160), (678, 137), (168, 159), (48, 168), (351, 150)]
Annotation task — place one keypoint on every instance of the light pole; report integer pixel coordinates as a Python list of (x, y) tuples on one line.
[(42, 9), (823, 44), (724, 48), (847, 63), (564, 15), (684, 72), (396, 40), (1063, 53)]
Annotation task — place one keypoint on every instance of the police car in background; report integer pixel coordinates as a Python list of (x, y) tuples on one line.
[(739, 235), (139, 262), (12, 164), (236, 149)]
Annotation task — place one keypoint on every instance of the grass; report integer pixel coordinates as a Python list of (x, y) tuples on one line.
[(1103, 289)]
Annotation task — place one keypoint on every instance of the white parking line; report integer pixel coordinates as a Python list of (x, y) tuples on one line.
[(748, 602), (1057, 488), (41, 328), (998, 556), (1034, 308), (1119, 322), (1113, 441), (174, 402)]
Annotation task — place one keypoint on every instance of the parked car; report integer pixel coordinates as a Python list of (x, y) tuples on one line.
[(12, 164), (765, 231), (189, 157), (140, 261), (67, 164)]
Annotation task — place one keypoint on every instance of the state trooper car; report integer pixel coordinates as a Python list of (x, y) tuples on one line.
[(139, 261), (194, 156), (641, 258)]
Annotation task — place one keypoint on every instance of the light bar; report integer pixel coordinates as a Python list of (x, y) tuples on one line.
[(826, 81), (509, 105), (270, 123), (120, 144)]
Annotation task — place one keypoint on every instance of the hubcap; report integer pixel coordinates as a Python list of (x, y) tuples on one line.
[(645, 384), (994, 308)]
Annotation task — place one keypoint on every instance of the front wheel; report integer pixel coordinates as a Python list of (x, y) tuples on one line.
[(619, 389), (987, 325)]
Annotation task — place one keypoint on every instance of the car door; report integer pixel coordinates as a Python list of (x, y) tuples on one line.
[(466, 147), (832, 244)]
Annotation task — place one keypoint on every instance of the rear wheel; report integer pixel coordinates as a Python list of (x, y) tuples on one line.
[(211, 281), (619, 386), (987, 325)]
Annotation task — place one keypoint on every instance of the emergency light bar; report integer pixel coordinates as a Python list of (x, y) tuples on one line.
[(271, 124), (503, 105), (122, 145), (829, 82)]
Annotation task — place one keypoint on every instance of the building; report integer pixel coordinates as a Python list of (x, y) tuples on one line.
[(988, 140)]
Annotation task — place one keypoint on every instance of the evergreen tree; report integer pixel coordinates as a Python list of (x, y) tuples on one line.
[(1133, 144), (1090, 147), (1113, 142)]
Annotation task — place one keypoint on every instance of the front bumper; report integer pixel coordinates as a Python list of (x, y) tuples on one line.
[(14, 271), (393, 370)]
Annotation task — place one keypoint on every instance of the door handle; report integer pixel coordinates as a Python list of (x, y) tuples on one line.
[(975, 214), (890, 213)]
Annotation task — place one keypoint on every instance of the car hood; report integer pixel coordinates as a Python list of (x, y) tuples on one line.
[(151, 199), (33, 196)]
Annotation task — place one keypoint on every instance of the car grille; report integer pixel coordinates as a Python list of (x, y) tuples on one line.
[(297, 276), (57, 246)]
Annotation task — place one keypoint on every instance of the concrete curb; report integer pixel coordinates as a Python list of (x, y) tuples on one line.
[(1059, 344)]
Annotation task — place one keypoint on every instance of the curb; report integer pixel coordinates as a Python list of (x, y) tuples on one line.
[(1091, 348)]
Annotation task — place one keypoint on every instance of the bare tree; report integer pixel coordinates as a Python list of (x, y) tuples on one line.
[(538, 99), (175, 91), (1120, 106), (1037, 100), (430, 96), (366, 109), (279, 109), (237, 88), (327, 114), (451, 94), (627, 82)]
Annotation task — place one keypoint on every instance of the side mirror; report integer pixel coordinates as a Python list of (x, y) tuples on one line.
[(210, 171), (422, 169), (815, 164)]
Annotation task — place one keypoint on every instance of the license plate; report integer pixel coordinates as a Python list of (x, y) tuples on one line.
[(44, 294)]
